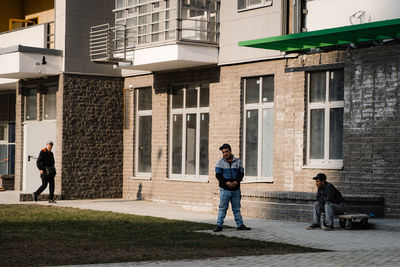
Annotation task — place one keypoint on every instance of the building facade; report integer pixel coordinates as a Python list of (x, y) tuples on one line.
[(49, 89), (288, 116), (295, 87)]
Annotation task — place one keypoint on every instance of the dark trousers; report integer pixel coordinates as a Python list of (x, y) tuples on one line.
[(46, 180)]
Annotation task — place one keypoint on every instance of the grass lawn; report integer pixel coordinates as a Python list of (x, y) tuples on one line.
[(32, 235)]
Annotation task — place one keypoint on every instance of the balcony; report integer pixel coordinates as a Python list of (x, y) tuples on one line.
[(154, 35), (28, 53)]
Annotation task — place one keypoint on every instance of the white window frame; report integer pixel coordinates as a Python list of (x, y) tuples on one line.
[(260, 106), (5, 140), (26, 105), (140, 113), (44, 104), (185, 111), (249, 6), (324, 163), (7, 143)]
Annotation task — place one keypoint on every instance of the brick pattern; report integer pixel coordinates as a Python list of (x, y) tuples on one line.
[(92, 126), (371, 126), (19, 137)]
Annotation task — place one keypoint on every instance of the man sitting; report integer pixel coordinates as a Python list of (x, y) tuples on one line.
[(329, 200)]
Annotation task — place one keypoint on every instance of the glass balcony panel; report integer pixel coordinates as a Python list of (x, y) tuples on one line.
[(144, 9), (170, 35), (155, 27), (120, 14), (131, 22), (155, 17), (120, 3), (194, 35), (156, 37), (132, 2), (170, 25), (132, 11)]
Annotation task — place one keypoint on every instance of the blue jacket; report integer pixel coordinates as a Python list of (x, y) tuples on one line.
[(229, 171)]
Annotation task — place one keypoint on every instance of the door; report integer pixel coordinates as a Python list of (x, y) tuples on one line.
[(36, 135)]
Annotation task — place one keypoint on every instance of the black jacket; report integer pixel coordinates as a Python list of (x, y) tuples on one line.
[(329, 193), (45, 159)]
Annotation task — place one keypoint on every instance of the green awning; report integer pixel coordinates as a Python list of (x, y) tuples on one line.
[(372, 31)]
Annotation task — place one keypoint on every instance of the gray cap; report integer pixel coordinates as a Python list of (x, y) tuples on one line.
[(49, 142)]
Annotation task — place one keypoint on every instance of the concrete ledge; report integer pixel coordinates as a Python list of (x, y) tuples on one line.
[(298, 206)]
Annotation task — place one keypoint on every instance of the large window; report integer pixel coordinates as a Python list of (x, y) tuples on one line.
[(258, 128), (249, 4), (7, 132), (189, 124), (143, 128), (325, 119)]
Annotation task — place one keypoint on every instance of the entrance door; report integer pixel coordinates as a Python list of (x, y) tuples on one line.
[(35, 136)]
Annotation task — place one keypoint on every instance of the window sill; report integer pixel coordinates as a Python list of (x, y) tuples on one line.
[(141, 177), (268, 4), (196, 179), (324, 166), (252, 179)]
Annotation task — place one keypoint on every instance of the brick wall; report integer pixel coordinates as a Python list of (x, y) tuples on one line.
[(372, 124), (371, 127), (91, 136)]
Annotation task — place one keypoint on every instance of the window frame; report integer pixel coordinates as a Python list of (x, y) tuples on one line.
[(327, 105), (198, 110), (8, 144), (264, 3), (43, 103), (259, 106), (141, 113), (26, 103)]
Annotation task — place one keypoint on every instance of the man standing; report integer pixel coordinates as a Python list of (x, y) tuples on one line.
[(45, 164), (229, 172), (329, 200)]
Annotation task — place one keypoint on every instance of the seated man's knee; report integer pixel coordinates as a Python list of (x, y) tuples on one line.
[(328, 206)]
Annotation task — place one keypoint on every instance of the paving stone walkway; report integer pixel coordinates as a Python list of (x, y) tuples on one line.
[(348, 247)]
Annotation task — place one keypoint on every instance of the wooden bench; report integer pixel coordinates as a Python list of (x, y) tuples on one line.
[(346, 220)]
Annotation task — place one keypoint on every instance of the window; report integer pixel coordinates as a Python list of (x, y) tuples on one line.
[(7, 132), (30, 104), (250, 4), (49, 102), (143, 132), (189, 132), (41, 92), (325, 119), (258, 128)]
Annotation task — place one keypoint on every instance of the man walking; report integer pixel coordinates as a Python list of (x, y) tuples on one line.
[(45, 164), (229, 172), (329, 200)]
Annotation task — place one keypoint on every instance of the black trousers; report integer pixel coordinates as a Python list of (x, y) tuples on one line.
[(46, 180)]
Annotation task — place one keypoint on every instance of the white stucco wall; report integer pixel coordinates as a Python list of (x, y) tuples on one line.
[(247, 25), (32, 36), (324, 14)]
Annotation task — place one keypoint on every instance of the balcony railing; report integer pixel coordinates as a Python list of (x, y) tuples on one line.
[(149, 23)]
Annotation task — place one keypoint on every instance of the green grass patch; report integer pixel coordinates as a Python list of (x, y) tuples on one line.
[(32, 235)]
